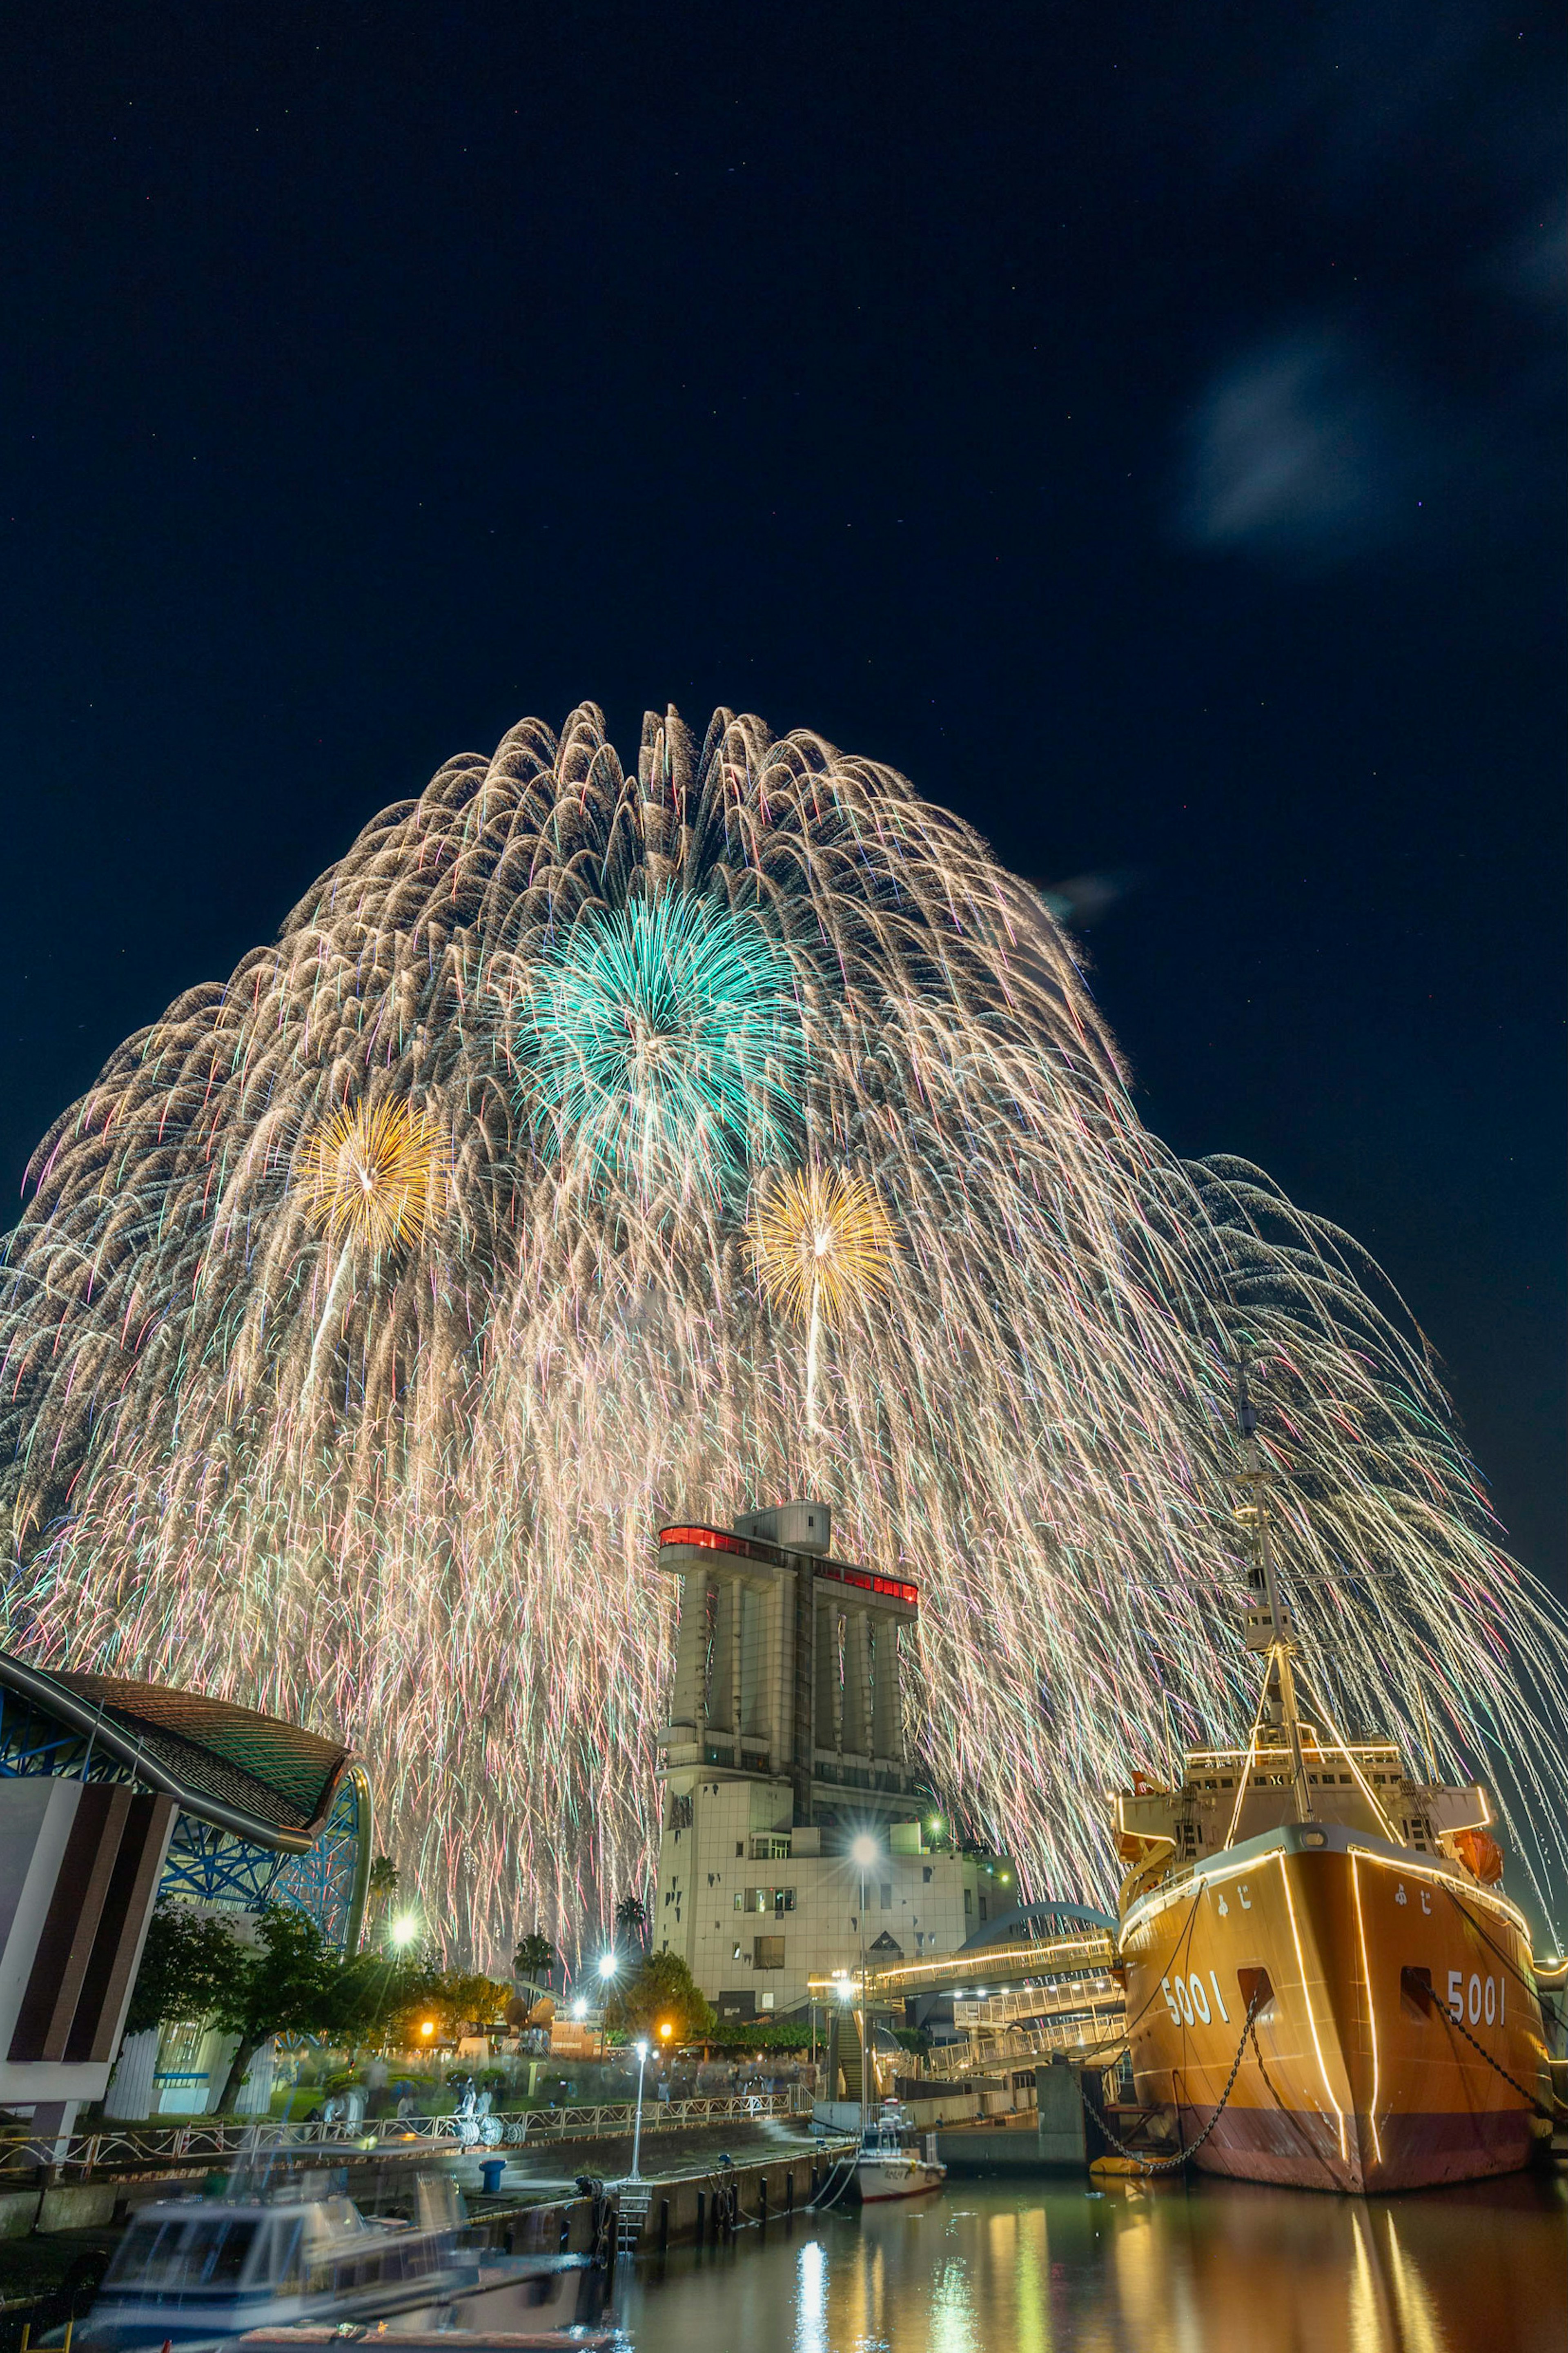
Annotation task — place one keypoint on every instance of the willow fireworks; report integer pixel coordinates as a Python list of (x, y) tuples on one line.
[(396, 1471)]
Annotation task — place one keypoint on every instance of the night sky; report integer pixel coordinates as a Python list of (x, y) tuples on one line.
[(1139, 425)]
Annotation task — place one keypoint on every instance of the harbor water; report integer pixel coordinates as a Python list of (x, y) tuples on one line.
[(1213, 2267)]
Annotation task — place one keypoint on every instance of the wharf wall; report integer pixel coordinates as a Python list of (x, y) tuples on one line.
[(707, 2208)]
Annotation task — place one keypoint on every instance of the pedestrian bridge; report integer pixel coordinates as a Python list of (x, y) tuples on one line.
[(1035, 1982)]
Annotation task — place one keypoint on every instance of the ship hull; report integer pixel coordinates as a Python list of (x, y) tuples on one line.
[(1396, 2000)]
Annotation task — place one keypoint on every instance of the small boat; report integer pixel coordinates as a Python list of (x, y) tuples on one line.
[(1326, 1983), (892, 2164), (197, 2273)]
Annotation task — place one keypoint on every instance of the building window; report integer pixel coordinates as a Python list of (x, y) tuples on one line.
[(767, 1952), (680, 1812), (735, 1954), (925, 1874), (968, 1906), (886, 1893)]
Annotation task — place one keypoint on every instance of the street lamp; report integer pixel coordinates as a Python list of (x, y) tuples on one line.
[(863, 1853), (608, 1965), (637, 2127), (403, 1930)]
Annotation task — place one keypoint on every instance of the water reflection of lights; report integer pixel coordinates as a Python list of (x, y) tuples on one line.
[(953, 2309), (1420, 2330), (811, 2299)]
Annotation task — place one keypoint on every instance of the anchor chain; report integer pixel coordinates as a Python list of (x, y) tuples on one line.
[(1546, 2114), (1175, 2164)]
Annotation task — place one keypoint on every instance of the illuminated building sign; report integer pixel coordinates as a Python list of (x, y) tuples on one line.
[(893, 1589)]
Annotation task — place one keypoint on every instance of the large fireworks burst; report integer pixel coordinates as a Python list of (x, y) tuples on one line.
[(408, 1491)]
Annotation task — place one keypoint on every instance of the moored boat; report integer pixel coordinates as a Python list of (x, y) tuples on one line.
[(1327, 1984), (197, 2273), (893, 2164)]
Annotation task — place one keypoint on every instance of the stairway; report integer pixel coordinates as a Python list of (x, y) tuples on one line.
[(632, 2200), (845, 2054)]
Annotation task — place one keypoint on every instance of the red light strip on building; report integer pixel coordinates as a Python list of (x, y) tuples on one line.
[(892, 1589), (715, 1540)]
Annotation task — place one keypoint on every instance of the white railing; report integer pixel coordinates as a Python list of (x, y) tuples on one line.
[(1039, 2001), (1085, 2038), (155, 2146)]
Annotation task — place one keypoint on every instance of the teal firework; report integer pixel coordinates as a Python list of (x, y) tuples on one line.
[(663, 1037)]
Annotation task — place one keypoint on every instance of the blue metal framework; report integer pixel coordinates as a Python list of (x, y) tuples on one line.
[(1050, 1915), (205, 1863), (331, 1883)]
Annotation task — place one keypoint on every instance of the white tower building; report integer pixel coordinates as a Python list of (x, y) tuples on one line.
[(785, 1742)]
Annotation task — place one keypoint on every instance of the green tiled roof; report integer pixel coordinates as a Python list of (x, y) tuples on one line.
[(231, 1755)]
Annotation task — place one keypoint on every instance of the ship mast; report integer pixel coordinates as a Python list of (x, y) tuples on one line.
[(1269, 1626)]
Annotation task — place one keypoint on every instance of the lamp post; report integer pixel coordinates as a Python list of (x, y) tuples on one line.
[(637, 2127), (608, 1968), (863, 1854)]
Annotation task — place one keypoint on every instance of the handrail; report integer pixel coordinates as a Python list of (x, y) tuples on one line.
[(1089, 2036), (1064, 1997), (83, 2153)]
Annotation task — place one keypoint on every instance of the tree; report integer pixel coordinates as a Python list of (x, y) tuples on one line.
[(535, 1958), (288, 1985), (452, 2003), (663, 1992), (631, 1920), (189, 1965)]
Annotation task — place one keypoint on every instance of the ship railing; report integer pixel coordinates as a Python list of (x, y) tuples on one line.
[(153, 2148)]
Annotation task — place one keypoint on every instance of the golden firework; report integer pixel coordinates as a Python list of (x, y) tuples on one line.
[(376, 1173), (821, 1244)]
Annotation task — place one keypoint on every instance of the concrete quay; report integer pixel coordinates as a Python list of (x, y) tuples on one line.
[(711, 2182)]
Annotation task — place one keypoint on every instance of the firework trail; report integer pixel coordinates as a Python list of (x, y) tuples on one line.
[(372, 1309)]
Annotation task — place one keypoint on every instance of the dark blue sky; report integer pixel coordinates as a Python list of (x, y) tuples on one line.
[(1141, 427)]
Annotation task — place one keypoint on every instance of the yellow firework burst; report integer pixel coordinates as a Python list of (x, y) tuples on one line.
[(821, 1244), (376, 1173)]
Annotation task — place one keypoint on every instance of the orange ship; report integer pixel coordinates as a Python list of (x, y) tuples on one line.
[(1326, 1983)]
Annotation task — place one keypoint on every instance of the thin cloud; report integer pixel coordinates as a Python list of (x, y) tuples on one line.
[(1289, 452)]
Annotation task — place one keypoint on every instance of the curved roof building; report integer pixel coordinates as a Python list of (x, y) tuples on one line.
[(265, 1811)]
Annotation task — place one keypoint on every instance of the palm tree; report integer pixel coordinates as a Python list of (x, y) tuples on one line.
[(534, 1958), (631, 1920)]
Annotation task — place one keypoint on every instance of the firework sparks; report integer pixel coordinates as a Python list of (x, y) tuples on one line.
[(374, 1175), (408, 1493), (822, 1247), (662, 1036)]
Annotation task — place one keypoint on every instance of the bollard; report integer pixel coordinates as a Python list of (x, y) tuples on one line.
[(762, 2199), (701, 2216), (789, 2192), (663, 2224)]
